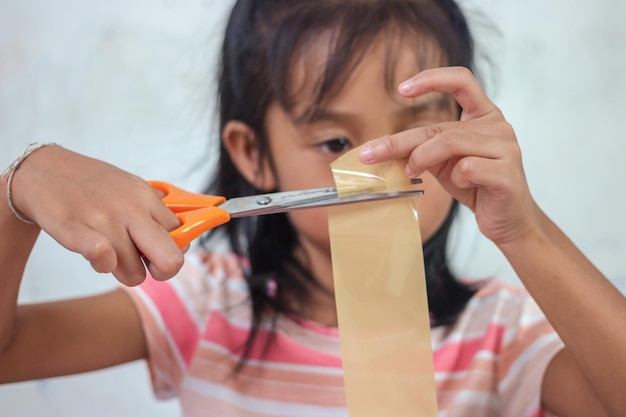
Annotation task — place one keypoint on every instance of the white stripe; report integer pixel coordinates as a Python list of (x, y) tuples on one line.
[(526, 358), (239, 285), (529, 319), (450, 376), (526, 322), (480, 399), (531, 409), (243, 323), (456, 375), (193, 257), (313, 369), (459, 333), (257, 405), (459, 338), (187, 303), (502, 293)]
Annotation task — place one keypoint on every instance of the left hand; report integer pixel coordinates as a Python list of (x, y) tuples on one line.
[(476, 159)]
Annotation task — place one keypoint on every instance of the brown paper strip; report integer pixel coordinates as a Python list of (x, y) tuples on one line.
[(380, 292)]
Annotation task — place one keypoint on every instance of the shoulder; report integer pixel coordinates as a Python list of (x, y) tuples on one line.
[(500, 314), (175, 313), (497, 301), (491, 289), (494, 301), (499, 348), (501, 300)]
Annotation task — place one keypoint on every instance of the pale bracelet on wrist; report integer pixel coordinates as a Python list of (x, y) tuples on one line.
[(10, 171)]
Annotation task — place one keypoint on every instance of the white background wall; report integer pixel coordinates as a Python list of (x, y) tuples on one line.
[(130, 82)]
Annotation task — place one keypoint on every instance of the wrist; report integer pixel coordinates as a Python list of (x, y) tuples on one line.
[(9, 177), (536, 241)]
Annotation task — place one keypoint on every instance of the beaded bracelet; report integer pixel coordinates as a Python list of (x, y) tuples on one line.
[(10, 171)]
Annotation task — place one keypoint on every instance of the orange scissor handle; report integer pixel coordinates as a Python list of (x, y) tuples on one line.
[(196, 222), (197, 212)]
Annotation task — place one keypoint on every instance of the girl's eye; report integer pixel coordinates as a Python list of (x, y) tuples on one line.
[(335, 146)]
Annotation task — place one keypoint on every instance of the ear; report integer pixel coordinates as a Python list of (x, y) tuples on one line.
[(242, 145)]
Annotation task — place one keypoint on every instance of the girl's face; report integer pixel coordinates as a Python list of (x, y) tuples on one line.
[(362, 110)]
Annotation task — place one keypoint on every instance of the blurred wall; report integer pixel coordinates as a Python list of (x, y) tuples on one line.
[(132, 83)]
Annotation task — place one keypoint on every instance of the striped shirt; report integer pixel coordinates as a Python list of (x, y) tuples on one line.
[(490, 363)]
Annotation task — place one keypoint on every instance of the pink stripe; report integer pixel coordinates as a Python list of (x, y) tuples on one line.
[(315, 327), (282, 350), (455, 357), (178, 322)]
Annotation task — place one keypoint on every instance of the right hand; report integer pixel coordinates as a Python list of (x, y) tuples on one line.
[(476, 159), (100, 211)]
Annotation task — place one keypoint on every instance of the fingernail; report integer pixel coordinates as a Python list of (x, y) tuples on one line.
[(406, 87), (367, 154), (408, 172)]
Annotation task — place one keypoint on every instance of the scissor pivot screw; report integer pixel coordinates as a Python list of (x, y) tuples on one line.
[(263, 201)]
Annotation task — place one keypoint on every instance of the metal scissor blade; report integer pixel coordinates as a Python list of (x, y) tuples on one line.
[(293, 200)]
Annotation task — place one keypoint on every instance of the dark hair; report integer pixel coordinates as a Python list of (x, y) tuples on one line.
[(262, 40)]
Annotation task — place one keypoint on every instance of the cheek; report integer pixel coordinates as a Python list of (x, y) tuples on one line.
[(311, 225), (303, 173)]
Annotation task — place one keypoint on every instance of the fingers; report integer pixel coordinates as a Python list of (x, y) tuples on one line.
[(114, 246), (120, 255), (455, 144), (481, 114), (427, 147), (401, 144), (473, 171), (458, 81), (106, 254), (96, 248), (164, 257)]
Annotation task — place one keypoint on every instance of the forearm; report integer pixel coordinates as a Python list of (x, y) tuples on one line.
[(583, 306), (16, 242)]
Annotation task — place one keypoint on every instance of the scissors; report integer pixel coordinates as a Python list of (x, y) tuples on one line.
[(199, 213)]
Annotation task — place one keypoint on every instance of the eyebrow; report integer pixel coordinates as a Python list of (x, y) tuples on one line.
[(440, 101), (437, 102)]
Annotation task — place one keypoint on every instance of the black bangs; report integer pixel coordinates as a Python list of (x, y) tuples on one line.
[(329, 38)]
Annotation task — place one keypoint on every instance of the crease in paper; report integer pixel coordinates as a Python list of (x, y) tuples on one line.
[(380, 291)]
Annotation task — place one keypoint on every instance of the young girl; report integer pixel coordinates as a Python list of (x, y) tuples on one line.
[(254, 332)]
